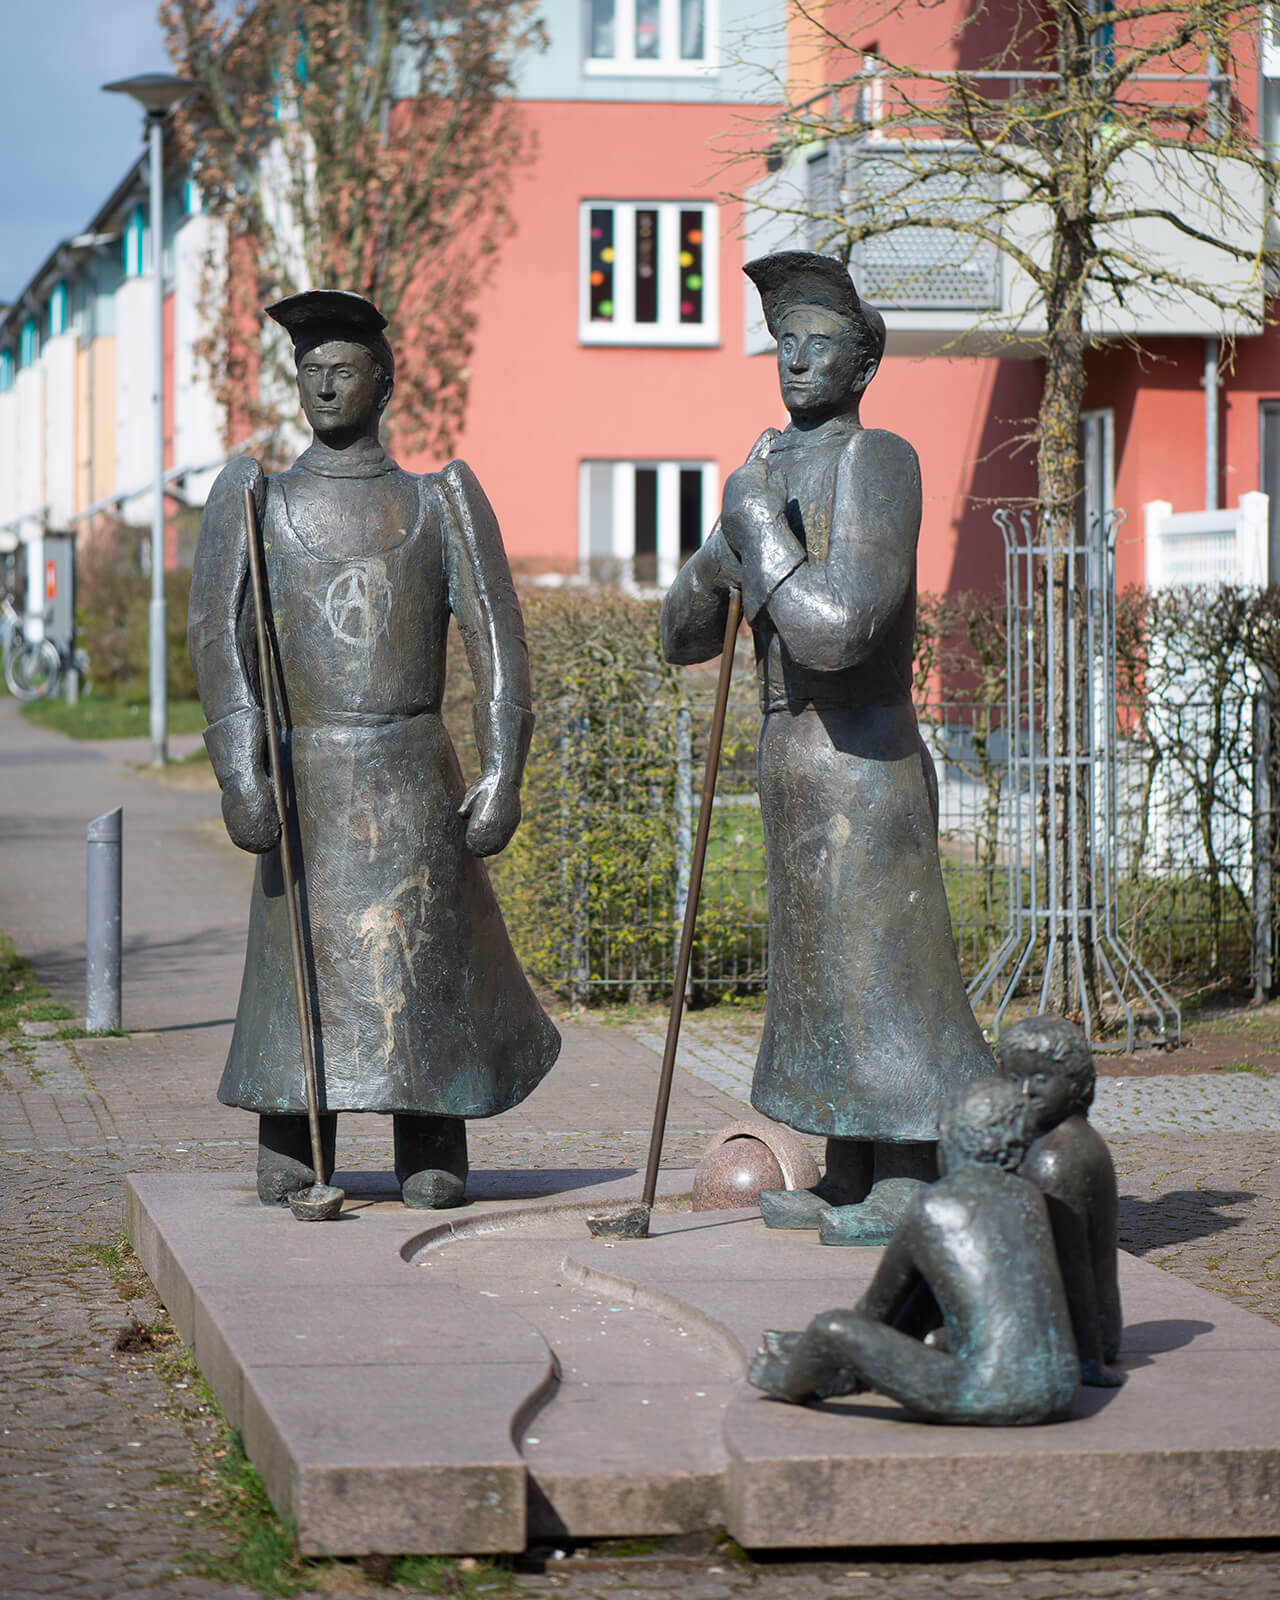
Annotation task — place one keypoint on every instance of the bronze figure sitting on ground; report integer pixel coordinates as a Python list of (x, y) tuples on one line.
[(973, 1269)]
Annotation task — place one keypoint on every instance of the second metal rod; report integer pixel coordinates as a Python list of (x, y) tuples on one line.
[(266, 675), (685, 953)]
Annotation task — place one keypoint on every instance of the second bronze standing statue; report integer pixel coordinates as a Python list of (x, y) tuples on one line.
[(419, 1005), (867, 1025)]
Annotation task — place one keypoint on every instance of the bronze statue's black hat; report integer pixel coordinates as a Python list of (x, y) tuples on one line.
[(317, 315), (793, 278), (335, 313)]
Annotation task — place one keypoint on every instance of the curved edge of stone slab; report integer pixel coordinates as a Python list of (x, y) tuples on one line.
[(673, 1197), (671, 1307), (381, 1417)]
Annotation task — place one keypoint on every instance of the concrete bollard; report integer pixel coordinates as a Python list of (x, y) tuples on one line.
[(102, 924)]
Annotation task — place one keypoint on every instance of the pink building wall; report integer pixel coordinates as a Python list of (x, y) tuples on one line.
[(541, 402)]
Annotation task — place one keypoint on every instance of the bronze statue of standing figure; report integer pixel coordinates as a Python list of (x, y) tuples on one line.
[(867, 1025), (419, 1006)]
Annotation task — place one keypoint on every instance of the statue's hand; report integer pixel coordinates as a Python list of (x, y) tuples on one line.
[(752, 501), (249, 811), (492, 810)]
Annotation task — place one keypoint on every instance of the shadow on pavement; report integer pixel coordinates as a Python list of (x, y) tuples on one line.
[(1176, 1217)]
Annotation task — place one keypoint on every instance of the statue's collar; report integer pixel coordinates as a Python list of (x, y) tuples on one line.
[(798, 436), (365, 460)]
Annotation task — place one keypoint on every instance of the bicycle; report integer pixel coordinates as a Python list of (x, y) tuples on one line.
[(32, 670)]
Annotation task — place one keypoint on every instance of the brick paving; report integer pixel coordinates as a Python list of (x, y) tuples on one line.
[(104, 1461)]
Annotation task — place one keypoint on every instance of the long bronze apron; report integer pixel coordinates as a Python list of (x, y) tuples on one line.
[(418, 1001)]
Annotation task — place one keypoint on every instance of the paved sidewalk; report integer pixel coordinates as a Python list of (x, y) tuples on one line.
[(100, 1490)]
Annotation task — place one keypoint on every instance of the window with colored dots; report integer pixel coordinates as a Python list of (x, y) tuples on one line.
[(648, 273)]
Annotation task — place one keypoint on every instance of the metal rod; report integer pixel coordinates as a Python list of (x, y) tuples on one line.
[(103, 879), (158, 665), (697, 860), (1212, 422), (266, 673)]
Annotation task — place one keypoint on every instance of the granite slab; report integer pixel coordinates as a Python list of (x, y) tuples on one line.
[(468, 1382)]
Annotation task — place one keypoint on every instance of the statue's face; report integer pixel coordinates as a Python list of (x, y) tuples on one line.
[(341, 388), (1049, 1094), (820, 363)]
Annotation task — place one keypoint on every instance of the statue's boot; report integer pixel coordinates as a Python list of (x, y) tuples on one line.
[(769, 1372), (876, 1220), (431, 1161), (850, 1164), (284, 1156), (901, 1172)]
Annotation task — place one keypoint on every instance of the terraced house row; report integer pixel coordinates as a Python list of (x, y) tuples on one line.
[(620, 368)]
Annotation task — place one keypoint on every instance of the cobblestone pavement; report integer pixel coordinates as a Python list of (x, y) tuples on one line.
[(723, 1056), (104, 1459), (101, 1459)]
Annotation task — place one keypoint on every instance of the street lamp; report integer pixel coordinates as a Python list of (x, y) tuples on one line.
[(155, 92)]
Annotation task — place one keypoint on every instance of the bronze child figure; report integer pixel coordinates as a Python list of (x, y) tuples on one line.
[(1050, 1059), (974, 1254), (419, 1006), (867, 1025)]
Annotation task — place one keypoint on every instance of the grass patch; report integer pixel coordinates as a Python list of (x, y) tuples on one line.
[(108, 716), (257, 1548), (193, 762), (260, 1550), (115, 1256), (23, 998), (444, 1575)]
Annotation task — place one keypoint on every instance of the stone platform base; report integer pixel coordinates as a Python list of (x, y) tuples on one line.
[(474, 1380)]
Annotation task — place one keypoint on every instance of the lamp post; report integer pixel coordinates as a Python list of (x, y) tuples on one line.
[(156, 92)]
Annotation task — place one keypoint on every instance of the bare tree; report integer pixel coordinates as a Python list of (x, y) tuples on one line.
[(357, 144), (1096, 167)]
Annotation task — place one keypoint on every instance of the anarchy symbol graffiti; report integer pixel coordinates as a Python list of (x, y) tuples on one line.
[(356, 605)]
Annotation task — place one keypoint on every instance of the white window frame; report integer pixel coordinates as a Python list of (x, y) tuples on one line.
[(670, 63), (624, 329), (1098, 450), (1269, 51), (623, 531)]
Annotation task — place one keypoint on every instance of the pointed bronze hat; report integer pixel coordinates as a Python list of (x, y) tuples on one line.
[(331, 313), (793, 278)]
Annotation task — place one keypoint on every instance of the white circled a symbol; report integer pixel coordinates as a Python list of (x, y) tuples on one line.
[(356, 605)]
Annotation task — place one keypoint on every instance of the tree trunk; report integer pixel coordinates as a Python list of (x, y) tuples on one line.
[(1069, 736)]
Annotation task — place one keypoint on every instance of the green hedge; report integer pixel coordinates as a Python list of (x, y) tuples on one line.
[(588, 885)]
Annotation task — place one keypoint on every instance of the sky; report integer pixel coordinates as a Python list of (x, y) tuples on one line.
[(67, 143)]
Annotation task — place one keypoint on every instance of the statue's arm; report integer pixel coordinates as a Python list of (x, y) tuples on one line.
[(896, 1280), (483, 599), (696, 606), (832, 614), (223, 648)]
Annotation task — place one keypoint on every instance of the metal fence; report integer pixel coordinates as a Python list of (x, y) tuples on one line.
[(595, 887)]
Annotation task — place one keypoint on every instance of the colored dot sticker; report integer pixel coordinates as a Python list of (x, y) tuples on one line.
[(606, 256), (693, 281), (597, 278), (605, 309), (694, 236), (686, 258)]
